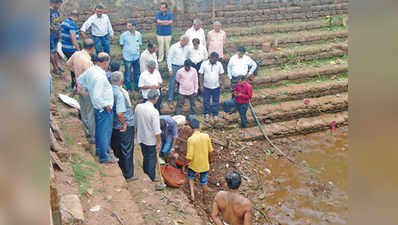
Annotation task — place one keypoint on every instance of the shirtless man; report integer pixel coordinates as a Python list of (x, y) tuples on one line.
[(234, 208)]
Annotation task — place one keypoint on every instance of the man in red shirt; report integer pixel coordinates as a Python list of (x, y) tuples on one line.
[(243, 93)]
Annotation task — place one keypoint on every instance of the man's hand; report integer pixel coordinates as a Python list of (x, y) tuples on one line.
[(170, 73), (124, 128), (108, 108), (195, 94), (158, 147), (202, 89), (222, 88), (111, 37)]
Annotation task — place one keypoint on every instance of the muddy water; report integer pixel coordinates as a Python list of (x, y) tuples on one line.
[(312, 191)]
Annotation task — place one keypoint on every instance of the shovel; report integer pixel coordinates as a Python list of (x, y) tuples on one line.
[(161, 186)]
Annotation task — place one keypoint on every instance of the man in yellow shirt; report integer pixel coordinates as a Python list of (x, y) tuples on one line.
[(199, 155)]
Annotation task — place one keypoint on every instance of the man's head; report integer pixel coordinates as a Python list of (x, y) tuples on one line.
[(196, 43), (233, 180), (74, 15), (184, 39), (163, 7), (217, 26), (197, 24), (151, 66), (153, 96), (213, 57), (163, 125), (187, 64), (194, 123), (131, 25), (151, 47), (88, 45), (103, 60), (241, 51), (241, 79), (114, 66), (117, 78), (99, 10)]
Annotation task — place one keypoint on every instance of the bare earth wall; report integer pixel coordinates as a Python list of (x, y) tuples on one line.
[(230, 12)]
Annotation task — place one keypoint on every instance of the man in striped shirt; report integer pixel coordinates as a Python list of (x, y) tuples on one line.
[(70, 38)]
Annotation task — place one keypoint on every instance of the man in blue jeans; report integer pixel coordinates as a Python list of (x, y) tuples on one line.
[(101, 95), (211, 81), (101, 30), (131, 40), (169, 134), (242, 95)]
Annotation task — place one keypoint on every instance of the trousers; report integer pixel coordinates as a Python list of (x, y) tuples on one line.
[(164, 45), (87, 117), (150, 160), (181, 102), (122, 144), (103, 133), (242, 109)]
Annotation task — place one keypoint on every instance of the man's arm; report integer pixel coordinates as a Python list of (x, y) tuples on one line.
[(74, 41), (170, 56), (247, 218), (229, 69), (215, 211), (123, 121), (110, 29), (253, 65), (85, 26), (195, 82)]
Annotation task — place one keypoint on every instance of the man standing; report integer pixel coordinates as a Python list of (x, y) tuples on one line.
[(101, 96), (151, 80), (101, 30), (163, 19), (70, 39), (196, 32), (216, 40), (131, 41), (211, 76), (122, 141), (198, 54), (199, 155), (234, 207), (169, 134), (147, 55), (240, 65), (79, 63), (242, 95), (187, 77), (147, 123), (178, 53), (54, 35)]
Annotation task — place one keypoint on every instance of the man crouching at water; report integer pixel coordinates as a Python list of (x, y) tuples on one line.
[(234, 208)]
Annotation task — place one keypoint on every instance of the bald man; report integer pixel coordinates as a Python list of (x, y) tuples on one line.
[(234, 208)]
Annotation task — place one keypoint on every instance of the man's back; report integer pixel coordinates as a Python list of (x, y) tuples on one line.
[(235, 208), (147, 123)]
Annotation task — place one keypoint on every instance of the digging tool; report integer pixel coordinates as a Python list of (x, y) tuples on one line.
[(161, 186)]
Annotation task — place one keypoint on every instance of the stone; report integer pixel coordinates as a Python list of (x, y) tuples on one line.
[(71, 210)]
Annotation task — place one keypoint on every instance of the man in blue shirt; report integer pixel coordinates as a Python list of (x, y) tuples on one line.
[(163, 19), (54, 35), (169, 134), (122, 141), (131, 40), (70, 38)]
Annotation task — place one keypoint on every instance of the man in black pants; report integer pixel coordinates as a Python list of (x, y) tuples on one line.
[(147, 123)]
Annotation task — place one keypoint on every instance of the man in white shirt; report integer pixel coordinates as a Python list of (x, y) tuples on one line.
[(196, 32), (211, 79), (198, 54), (240, 65), (178, 53), (101, 30), (147, 55), (151, 80), (147, 123)]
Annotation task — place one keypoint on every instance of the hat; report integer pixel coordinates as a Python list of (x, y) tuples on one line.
[(190, 117)]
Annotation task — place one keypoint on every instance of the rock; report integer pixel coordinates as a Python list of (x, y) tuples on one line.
[(262, 196), (96, 208), (90, 191), (227, 165), (108, 197), (267, 171), (71, 210)]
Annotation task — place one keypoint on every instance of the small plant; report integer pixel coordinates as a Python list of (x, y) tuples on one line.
[(330, 20), (83, 171)]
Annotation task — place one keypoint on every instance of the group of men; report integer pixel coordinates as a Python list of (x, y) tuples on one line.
[(108, 116)]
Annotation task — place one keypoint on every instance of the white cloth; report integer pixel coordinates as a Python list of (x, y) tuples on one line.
[(177, 55), (99, 26), (145, 57), (198, 55), (147, 123), (240, 66), (199, 34), (149, 79), (211, 74)]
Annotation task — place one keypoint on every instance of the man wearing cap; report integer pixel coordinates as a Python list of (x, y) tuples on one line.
[(70, 38), (147, 123), (187, 77), (55, 21), (240, 65), (199, 155), (150, 79), (101, 30), (242, 95), (131, 40), (147, 55), (122, 141)]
